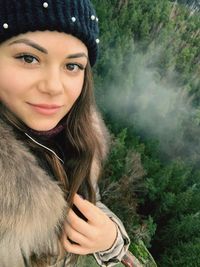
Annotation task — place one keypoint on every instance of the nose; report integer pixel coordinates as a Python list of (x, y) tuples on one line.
[(51, 82)]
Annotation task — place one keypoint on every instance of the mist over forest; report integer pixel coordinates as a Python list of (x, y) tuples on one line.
[(147, 86)]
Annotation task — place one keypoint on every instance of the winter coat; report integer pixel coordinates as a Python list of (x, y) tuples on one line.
[(33, 208)]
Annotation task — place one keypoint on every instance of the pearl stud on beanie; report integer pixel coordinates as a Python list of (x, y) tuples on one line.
[(76, 17)]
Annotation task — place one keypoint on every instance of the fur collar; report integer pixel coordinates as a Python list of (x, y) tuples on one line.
[(32, 205)]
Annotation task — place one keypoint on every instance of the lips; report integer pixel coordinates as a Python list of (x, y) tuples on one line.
[(46, 109), (46, 106)]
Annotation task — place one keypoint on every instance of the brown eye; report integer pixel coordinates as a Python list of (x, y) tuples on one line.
[(27, 59), (74, 67)]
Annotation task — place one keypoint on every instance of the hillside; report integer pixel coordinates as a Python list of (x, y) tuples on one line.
[(148, 88)]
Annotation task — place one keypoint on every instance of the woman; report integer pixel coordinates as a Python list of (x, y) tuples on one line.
[(52, 139)]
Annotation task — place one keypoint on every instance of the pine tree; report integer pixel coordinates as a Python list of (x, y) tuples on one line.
[(161, 205)]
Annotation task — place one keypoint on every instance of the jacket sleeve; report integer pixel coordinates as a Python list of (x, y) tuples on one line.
[(115, 254)]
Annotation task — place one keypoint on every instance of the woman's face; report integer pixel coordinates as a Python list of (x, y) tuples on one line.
[(41, 76)]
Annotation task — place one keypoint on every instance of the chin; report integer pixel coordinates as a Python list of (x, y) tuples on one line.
[(42, 128)]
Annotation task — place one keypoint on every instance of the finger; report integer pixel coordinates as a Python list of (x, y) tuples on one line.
[(74, 248), (78, 224), (75, 236), (89, 210)]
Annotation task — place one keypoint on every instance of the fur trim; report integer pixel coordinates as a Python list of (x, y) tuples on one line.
[(32, 205)]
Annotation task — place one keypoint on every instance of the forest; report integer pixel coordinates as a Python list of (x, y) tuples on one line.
[(147, 86)]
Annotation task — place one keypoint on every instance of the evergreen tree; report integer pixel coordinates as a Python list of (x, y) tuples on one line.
[(152, 177)]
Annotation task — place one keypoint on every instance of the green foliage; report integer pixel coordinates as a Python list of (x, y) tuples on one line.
[(121, 183), (118, 156), (185, 254), (141, 252), (122, 178), (152, 178)]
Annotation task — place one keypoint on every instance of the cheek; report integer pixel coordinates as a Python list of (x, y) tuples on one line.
[(7, 82), (11, 83), (75, 89)]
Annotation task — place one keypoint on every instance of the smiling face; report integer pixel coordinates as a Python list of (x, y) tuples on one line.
[(41, 76)]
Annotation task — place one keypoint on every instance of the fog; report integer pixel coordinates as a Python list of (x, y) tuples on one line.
[(155, 106)]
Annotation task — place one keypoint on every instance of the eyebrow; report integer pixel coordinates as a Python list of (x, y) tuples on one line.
[(29, 43), (44, 50), (77, 55)]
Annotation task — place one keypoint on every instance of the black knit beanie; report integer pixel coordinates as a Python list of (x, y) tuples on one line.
[(76, 17)]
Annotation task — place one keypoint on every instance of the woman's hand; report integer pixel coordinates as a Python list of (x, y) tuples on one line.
[(96, 234)]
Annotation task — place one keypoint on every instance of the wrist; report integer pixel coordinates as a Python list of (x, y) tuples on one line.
[(115, 235)]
